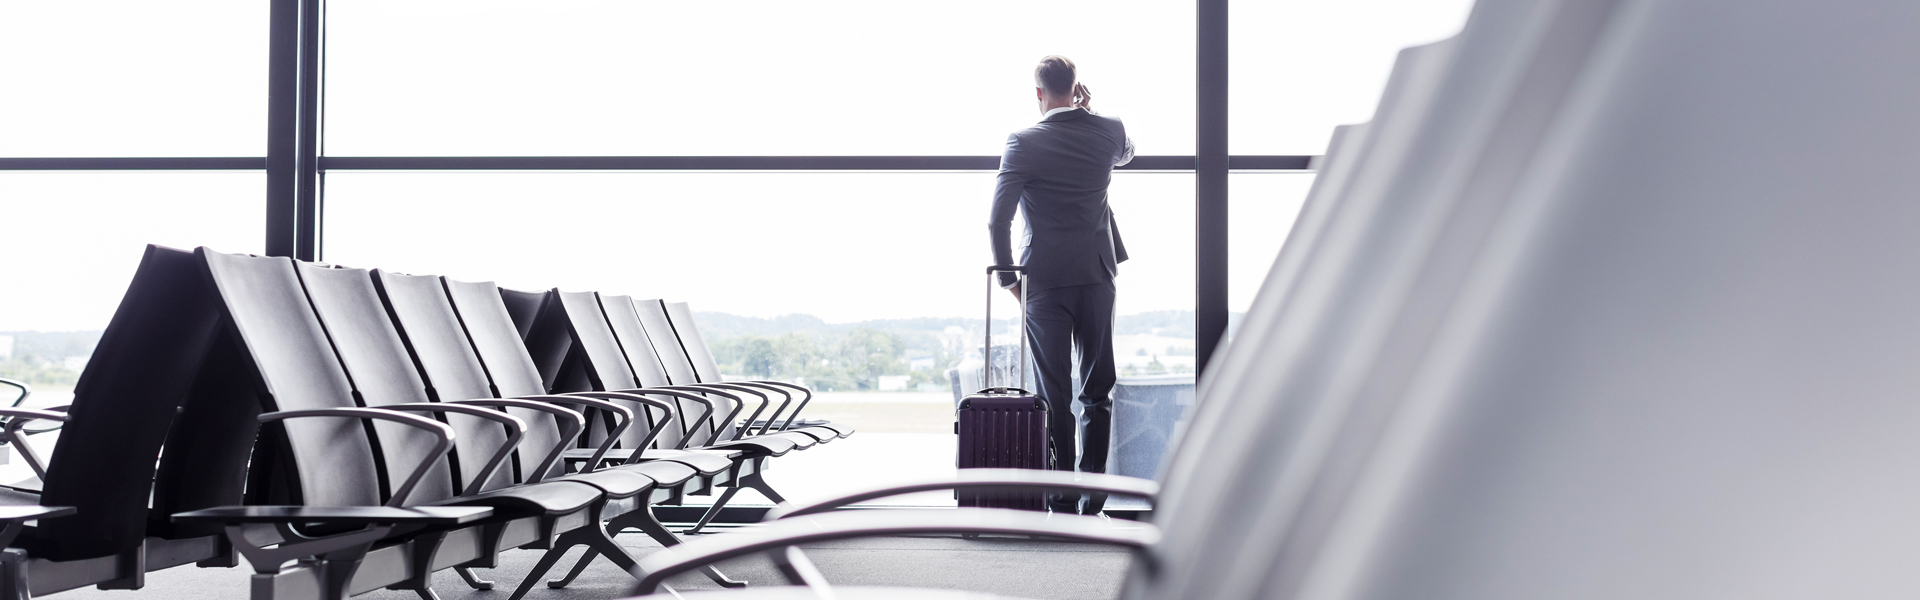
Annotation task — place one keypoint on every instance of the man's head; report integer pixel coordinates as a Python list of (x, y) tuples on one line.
[(1054, 82)]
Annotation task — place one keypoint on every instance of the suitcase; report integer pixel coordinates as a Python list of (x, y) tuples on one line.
[(1003, 427)]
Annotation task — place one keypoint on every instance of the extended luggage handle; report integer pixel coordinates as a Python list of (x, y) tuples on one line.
[(986, 376)]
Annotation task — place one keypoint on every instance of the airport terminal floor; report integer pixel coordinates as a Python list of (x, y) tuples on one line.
[(1594, 299)]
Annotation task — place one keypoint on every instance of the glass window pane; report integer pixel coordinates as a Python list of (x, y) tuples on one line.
[(1300, 67), (96, 78), (1264, 206), (71, 245), (758, 77), (803, 261)]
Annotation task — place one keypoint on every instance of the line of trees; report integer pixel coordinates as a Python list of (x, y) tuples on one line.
[(850, 361)]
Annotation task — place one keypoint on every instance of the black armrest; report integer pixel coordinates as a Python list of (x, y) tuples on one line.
[(571, 424), (807, 396), (13, 519), (986, 479), (622, 414), (686, 425), (696, 553), (337, 515), (701, 388), (787, 400), (19, 419), (376, 523), (663, 405), (25, 390), (516, 429), (765, 401), (440, 430)]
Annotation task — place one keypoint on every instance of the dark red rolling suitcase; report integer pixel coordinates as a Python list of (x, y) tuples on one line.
[(1003, 427)]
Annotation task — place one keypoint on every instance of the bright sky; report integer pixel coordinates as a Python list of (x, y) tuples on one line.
[(466, 77)]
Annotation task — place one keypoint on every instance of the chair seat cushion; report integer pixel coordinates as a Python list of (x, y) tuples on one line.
[(665, 474), (615, 484), (707, 463), (546, 499)]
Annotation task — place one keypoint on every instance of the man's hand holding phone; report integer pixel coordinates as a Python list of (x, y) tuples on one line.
[(1082, 97)]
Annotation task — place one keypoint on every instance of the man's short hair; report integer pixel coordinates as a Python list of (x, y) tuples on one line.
[(1055, 75)]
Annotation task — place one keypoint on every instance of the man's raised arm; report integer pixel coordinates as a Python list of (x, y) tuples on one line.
[(1006, 199)]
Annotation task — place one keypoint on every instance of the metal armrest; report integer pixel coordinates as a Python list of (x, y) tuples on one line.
[(19, 419), (630, 396), (571, 424), (986, 479), (804, 399), (686, 430), (441, 430), (765, 401), (778, 535), (25, 390), (621, 414), (516, 429), (377, 523), (777, 411), (702, 388), (337, 515)]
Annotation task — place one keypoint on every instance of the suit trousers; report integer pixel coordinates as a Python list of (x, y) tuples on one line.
[(1059, 320)]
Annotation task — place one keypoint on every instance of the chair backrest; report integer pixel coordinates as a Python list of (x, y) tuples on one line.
[(673, 355), (331, 460), (433, 333), (1391, 259), (1208, 476), (142, 371), (1685, 365), (383, 372), (680, 316), (646, 366), (541, 325), (604, 361), (499, 350), (523, 307)]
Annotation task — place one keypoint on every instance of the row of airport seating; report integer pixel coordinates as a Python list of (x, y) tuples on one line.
[(347, 430), (1611, 298)]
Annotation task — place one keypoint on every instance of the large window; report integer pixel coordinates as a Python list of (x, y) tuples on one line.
[(761, 77), (106, 78)]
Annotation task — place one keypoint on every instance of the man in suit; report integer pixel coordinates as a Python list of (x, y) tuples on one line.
[(1056, 173)]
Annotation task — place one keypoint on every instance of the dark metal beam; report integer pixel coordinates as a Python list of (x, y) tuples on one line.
[(307, 169), (759, 163), (159, 163), (283, 101), (1210, 165)]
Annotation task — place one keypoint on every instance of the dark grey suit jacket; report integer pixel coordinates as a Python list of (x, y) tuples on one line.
[(1057, 173)]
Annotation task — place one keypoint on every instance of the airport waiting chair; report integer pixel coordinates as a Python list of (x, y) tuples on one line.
[(706, 370), (657, 356), (316, 456), (145, 388), (440, 340)]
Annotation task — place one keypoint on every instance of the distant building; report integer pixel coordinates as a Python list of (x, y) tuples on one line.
[(6, 347), (75, 363), (924, 363)]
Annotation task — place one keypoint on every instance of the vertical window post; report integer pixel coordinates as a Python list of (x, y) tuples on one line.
[(292, 128), (1210, 180)]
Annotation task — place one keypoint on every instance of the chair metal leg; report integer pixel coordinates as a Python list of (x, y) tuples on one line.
[(546, 562), (644, 521), (578, 568), (714, 510), (760, 485), (473, 579)]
